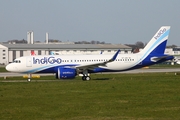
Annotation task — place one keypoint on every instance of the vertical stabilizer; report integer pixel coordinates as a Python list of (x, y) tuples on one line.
[(33, 53), (158, 42)]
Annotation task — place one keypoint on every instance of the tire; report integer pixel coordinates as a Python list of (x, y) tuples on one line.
[(88, 78), (29, 79), (83, 78)]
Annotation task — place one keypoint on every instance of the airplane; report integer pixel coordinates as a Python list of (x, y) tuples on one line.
[(32, 52), (175, 60), (69, 66), (52, 53)]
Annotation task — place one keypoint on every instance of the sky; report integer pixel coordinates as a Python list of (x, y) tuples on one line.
[(110, 21)]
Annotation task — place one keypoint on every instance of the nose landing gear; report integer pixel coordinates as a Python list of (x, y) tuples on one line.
[(29, 77)]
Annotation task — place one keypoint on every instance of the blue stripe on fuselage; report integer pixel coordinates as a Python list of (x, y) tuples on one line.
[(48, 68)]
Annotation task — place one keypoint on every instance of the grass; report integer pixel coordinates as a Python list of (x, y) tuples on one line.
[(106, 96), (2, 69)]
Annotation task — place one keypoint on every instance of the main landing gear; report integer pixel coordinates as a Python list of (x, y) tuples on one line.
[(86, 78)]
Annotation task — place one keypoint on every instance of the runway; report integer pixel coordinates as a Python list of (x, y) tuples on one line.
[(10, 74), (144, 70)]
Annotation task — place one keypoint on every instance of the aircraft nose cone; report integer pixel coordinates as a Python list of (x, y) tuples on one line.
[(10, 68)]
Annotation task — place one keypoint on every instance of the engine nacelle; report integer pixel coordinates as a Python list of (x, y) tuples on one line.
[(65, 73)]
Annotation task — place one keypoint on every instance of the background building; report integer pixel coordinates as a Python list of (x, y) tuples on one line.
[(173, 51)]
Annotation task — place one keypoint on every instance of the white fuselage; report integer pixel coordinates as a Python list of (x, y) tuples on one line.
[(33, 64)]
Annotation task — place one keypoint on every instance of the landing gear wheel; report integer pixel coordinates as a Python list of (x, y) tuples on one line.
[(86, 78), (29, 79), (83, 78)]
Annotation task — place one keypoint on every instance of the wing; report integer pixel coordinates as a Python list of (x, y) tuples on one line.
[(92, 66)]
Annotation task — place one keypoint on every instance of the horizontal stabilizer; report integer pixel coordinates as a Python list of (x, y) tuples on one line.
[(156, 59)]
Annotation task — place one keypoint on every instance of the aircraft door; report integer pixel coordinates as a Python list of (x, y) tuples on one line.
[(28, 62)]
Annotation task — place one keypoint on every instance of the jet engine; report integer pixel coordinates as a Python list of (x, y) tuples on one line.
[(65, 73)]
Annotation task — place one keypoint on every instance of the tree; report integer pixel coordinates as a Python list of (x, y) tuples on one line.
[(139, 44)]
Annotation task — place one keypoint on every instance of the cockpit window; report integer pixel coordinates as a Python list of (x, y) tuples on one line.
[(16, 61)]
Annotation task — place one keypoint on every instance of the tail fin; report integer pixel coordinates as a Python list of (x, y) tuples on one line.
[(33, 53), (157, 44), (52, 53)]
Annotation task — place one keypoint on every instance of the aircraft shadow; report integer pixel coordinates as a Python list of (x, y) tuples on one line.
[(102, 79)]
